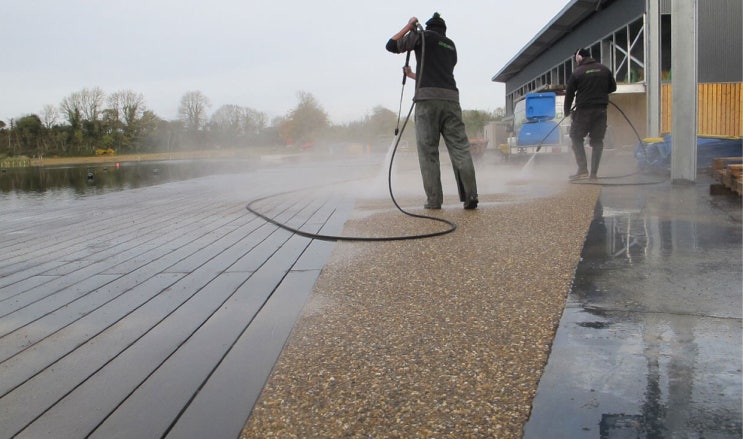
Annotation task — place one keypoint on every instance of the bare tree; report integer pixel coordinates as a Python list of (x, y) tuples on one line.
[(234, 122), (127, 106), (92, 102), (192, 110), (49, 116), (83, 105), (71, 107)]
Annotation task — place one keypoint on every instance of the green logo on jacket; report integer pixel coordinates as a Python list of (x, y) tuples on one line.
[(448, 46)]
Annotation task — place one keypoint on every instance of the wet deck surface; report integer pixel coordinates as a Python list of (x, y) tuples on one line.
[(131, 315), (649, 344)]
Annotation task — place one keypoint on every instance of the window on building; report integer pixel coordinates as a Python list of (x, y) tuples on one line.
[(629, 53), (637, 52), (665, 51), (623, 51)]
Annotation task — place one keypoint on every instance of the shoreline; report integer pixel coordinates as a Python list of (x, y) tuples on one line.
[(144, 157)]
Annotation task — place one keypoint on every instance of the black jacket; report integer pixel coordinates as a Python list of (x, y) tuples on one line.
[(590, 85), (436, 81)]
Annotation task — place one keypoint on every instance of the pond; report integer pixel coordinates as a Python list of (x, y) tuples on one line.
[(71, 182)]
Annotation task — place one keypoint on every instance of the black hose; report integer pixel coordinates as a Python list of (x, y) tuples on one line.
[(541, 143), (398, 134), (593, 182), (644, 151)]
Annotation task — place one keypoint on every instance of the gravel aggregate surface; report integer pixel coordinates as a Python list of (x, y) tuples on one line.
[(445, 337)]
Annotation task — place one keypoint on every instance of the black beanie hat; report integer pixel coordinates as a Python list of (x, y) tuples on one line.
[(436, 21), (583, 52)]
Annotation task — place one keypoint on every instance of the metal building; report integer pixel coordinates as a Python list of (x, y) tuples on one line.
[(633, 38)]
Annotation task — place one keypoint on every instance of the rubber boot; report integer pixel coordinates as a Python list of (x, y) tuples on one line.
[(580, 159), (595, 160), (460, 186)]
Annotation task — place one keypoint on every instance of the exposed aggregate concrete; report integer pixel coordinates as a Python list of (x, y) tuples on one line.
[(445, 337)]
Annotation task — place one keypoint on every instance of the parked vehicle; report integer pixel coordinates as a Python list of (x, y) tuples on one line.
[(539, 125)]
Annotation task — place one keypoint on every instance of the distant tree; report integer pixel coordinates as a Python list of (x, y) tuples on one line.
[(71, 107), (305, 123), (92, 103), (475, 121), (127, 106), (49, 116), (192, 110), (232, 124), (29, 132), (4, 139), (123, 120), (84, 110), (380, 122), (83, 105), (157, 135)]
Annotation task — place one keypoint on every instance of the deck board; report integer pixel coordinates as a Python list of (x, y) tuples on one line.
[(130, 314)]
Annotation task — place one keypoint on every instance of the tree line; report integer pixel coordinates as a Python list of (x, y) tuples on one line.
[(90, 122)]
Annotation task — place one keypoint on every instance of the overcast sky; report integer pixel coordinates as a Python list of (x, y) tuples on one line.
[(256, 54)]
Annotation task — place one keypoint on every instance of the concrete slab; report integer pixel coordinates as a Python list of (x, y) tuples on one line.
[(650, 341)]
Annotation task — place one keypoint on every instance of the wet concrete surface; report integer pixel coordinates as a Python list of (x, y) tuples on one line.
[(649, 345)]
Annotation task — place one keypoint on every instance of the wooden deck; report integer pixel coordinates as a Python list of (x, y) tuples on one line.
[(152, 312)]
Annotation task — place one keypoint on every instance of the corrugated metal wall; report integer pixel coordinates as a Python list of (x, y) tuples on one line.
[(720, 42), (720, 51), (720, 59)]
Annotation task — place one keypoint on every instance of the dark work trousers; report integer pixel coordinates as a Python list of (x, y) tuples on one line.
[(433, 119), (588, 121)]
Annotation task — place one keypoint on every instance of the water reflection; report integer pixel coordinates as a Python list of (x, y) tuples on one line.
[(667, 281), (70, 182)]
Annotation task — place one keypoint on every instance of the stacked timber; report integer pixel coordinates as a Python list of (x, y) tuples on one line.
[(727, 170)]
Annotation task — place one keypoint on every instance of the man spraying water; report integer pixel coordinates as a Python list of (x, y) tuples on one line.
[(437, 111), (590, 86)]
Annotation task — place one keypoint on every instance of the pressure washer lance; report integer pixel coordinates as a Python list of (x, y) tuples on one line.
[(541, 143), (550, 131), (398, 134), (402, 92), (642, 143), (418, 28)]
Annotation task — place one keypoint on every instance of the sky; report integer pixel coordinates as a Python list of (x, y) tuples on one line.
[(255, 54)]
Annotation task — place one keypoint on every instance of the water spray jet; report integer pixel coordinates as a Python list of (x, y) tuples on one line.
[(391, 155)]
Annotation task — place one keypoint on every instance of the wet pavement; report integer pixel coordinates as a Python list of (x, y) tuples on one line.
[(649, 345)]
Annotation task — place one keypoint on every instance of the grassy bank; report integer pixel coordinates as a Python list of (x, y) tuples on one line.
[(179, 155)]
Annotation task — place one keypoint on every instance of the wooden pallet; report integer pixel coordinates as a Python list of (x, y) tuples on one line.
[(727, 171)]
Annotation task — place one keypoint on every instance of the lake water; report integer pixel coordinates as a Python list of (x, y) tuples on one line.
[(18, 185)]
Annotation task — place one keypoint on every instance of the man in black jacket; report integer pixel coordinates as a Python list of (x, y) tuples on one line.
[(590, 85), (437, 111)]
